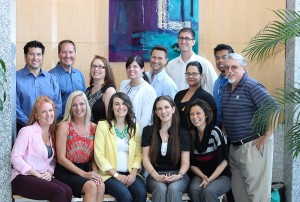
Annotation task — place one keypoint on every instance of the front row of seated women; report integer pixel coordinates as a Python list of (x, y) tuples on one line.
[(109, 158)]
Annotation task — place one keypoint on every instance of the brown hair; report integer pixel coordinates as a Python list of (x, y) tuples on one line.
[(109, 74), (173, 130), (66, 41)]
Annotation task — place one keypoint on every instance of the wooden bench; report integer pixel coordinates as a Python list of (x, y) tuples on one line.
[(17, 198)]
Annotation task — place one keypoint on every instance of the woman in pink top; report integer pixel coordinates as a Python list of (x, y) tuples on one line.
[(32, 157)]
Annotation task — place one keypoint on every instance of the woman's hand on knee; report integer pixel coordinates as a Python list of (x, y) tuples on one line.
[(130, 179)]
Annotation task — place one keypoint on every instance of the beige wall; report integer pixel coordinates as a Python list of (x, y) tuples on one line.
[(86, 23)]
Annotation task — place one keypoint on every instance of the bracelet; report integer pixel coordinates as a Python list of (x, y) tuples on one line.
[(181, 175)]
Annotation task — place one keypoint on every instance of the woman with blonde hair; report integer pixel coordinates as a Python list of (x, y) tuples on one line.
[(75, 150), (33, 157)]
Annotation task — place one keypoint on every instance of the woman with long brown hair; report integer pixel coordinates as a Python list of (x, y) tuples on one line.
[(33, 157), (166, 153)]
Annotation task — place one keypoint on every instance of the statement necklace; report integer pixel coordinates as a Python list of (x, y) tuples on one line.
[(121, 134)]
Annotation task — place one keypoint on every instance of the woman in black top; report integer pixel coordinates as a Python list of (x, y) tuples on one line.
[(166, 153), (209, 155), (183, 98), (102, 87)]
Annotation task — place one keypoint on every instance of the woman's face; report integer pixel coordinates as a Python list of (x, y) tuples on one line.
[(164, 110), (197, 116), (78, 107), (119, 108), (134, 71), (98, 69), (45, 114), (193, 76)]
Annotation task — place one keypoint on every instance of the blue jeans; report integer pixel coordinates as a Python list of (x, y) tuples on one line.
[(135, 192), (211, 192), (165, 192)]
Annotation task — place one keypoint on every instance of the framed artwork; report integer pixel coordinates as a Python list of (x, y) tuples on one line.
[(136, 26)]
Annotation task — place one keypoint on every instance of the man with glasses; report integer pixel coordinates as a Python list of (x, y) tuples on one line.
[(176, 67), (69, 78), (251, 149), (158, 78)]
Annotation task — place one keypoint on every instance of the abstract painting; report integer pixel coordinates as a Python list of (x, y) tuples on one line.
[(136, 26)]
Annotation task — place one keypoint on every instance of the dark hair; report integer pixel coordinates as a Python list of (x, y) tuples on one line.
[(109, 74), (33, 44), (66, 41), (173, 131), (207, 111), (195, 63), (189, 30), (223, 47), (139, 60), (161, 48), (130, 116)]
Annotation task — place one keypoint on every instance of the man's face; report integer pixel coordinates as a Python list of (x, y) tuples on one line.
[(186, 41), (34, 58), (67, 55), (158, 60), (220, 57), (234, 71)]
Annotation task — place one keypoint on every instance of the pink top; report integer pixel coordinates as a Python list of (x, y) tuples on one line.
[(30, 151)]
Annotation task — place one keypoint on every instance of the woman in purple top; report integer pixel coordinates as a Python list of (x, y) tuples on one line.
[(33, 157)]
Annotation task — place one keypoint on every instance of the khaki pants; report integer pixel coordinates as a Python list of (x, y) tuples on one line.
[(251, 172)]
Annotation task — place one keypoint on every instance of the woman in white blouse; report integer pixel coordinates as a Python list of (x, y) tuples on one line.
[(141, 93)]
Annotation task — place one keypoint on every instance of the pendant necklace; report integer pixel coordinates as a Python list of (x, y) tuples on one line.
[(121, 134)]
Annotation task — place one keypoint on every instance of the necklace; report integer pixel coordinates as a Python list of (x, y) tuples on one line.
[(121, 134)]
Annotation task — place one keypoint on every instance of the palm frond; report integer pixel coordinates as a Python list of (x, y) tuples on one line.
[(288, 105), (274, 35)]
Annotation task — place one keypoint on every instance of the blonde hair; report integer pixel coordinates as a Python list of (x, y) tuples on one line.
[(68, 114)]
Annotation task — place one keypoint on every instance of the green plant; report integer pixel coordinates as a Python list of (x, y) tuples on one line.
[(2, 80), (262, 45)]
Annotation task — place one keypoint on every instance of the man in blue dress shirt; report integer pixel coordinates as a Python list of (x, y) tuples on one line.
[(69, 78), (221, 51), (32, 81), (158, 78)]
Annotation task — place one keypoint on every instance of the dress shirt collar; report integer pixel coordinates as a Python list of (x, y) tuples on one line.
[(61, 70), (159, 76), (27, 72), (192, 58)]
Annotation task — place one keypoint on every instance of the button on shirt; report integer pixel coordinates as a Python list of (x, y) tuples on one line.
[(29, 88), (218, 94), (239, 106), (162, 83), (68, 82), (176, 69)]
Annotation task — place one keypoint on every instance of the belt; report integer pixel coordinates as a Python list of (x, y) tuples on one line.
[(244, 141)]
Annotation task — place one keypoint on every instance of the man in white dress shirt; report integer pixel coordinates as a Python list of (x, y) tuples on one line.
[(176, 67), (158, 78)]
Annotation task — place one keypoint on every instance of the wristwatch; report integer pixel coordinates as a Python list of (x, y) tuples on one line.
[(116, 175)]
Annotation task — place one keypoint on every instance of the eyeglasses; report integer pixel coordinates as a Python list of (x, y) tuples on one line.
[(180, 38), (97, 66), (194, 74), (234, 67)]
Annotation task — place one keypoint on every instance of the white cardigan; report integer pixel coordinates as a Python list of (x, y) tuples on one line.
[(142, 102)]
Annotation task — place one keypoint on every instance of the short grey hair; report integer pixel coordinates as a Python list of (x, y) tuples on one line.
[(238, 57)]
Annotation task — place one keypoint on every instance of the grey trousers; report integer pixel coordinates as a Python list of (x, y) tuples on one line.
[(251, 172), (162, 192), (211, 192)]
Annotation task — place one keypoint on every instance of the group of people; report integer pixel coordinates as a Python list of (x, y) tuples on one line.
[(166, 131)]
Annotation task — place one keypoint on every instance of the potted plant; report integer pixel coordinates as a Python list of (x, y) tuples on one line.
[(263, 44), (2, 80)]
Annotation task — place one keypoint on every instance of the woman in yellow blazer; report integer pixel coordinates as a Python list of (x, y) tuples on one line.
[(118, 151)]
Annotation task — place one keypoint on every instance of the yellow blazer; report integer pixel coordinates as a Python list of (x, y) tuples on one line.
[(106, 153)]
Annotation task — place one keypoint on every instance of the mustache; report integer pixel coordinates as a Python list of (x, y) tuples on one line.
[(230, 74)]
